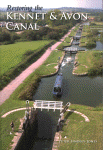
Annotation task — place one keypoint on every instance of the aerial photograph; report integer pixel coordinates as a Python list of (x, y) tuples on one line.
[(51, 75)]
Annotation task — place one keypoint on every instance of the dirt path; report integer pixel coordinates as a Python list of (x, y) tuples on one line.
[(9, 112), (10, 88)]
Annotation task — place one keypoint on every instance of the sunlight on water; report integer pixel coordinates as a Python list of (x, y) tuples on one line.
[(66, 61)]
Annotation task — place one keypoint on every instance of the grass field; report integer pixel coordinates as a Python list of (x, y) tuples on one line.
[(68, 39), (85, 29), (82, 44), (12, 54), (98, 23), (83, 40), (62, 45), (101, 27), (84, 33), (74, 31), (82, 135), (86, 61), (6, 137)]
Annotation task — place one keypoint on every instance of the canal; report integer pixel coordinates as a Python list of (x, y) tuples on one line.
[(76, 90)]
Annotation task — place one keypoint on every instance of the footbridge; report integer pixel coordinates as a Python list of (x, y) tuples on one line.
[(44, 104), (73, 49), (77, 37), (75, 43)]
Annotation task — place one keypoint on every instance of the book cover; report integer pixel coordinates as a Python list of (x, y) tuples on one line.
[(51, 65)]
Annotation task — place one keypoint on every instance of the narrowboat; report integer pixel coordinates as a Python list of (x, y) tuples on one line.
[(57, 90)]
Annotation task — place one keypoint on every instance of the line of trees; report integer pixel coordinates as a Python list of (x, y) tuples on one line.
[(55, 30), (46, 33), (7, 37)]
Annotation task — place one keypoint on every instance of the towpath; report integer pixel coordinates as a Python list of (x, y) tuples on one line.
[(10, 88)]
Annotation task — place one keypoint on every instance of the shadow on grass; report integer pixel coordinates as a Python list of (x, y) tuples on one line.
[(68, 114), (64, 122)]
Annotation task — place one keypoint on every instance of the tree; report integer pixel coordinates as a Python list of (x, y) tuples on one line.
[(95, 32), (53, 35)]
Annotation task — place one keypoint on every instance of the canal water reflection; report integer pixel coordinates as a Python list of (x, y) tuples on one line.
[(47, 124)]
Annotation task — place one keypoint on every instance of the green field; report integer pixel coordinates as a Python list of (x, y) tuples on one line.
[(85, 29), (68, 39), (81, 135), (74, 31), (83, 40), (98, 23), (12, 54), (84, 33), (87, 60), (101, 27), (5, 129)]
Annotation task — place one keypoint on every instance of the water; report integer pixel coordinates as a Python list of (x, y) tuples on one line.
[(47, 127), (99, 46)]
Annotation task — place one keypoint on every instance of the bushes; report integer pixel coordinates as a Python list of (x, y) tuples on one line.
[(29, 89), (62, 45), (91, 44), (92, 24), (101, 37), (91, 38), (95, 32), (7, 37), (97, 68), (95, 71), (68, 39), (53, 35), (45, 33), (92, 33), (27, 53)]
